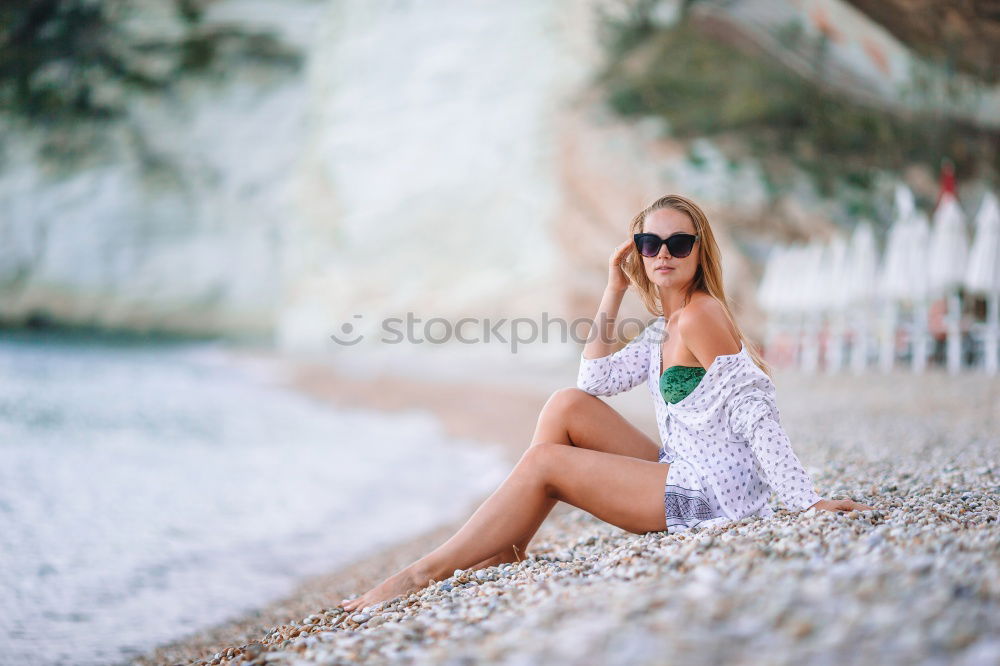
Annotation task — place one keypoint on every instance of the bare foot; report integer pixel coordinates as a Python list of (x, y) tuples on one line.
[(397, 585)]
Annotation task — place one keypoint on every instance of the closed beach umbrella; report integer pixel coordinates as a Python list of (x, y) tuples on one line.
[(947, 268), (811, 301), (918, 260), (776, 295), (795, 287), (905, 205), (786, 291), (983, 275), (861, 286), (769, 293), (861, 272), (893, 277), (766, 298), (904, 276), (833, 271), (951, 246), (809, 279)]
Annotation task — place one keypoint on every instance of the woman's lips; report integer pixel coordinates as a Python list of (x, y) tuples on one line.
[(664, 270)]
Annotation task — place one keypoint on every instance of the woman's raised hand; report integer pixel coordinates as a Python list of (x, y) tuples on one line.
[(617, 280)]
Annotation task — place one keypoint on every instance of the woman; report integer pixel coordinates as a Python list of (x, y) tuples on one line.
[(715, 410)]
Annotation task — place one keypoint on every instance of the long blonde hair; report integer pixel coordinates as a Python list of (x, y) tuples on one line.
[(707, 277)]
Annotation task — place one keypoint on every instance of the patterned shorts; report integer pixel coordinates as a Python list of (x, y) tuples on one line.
[(687, 500)]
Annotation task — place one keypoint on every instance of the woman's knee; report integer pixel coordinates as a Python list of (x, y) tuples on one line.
[(540, 457), (558, 410), (564, 402)]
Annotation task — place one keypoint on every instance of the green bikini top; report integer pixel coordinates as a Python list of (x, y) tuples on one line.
[(677, 381)]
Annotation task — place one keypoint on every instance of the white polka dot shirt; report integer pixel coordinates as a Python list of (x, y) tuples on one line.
[(728, 427)]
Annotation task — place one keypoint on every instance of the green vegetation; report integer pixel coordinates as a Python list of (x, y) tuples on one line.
[(68, 66), (704, 86)]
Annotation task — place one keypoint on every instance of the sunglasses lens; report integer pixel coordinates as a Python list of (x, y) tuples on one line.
[(649, 246), (680, 245)]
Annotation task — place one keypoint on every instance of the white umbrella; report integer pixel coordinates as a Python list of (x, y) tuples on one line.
[(894, 277), (833, 271), (893, 281), (793, 286), (983, 274), (861, 284), (947, 269), (951, 246), (918, 255), (861, 280), (776, 293), (904, 277), (904, 272), (905, 206), (785, 291), (810, 300), (769, 292)]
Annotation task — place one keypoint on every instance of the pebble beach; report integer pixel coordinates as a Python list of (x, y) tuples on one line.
[(914, 581)]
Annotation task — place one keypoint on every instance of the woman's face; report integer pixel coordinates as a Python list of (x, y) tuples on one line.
[(664, 223)]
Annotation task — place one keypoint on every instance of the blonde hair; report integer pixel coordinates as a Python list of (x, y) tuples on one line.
[(707, 277)]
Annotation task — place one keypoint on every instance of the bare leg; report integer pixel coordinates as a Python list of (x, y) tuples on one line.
[(576, 418), (622, 490)]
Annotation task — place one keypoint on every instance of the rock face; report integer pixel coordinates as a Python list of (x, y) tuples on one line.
[(406, 166), (418, 161), (173, 219), (435, 159), (431, 150)]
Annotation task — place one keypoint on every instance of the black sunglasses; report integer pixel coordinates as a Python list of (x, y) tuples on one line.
[(678, 245)]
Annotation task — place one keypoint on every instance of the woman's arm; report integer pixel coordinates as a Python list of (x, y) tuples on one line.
[(605, 369), (754, 417), (621, 371), (601, 339), (752, 413)]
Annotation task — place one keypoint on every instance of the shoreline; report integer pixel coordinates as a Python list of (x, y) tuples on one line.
[(511, 427)]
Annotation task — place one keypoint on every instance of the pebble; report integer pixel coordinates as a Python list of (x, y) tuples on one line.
[(914, 581)]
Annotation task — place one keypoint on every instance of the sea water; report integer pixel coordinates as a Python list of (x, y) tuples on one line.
[(150, 490)]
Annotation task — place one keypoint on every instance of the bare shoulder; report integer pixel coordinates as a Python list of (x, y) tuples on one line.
[(705, 329)]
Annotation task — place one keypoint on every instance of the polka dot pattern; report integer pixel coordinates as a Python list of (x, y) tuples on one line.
[(727, 429), (618, 372)]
